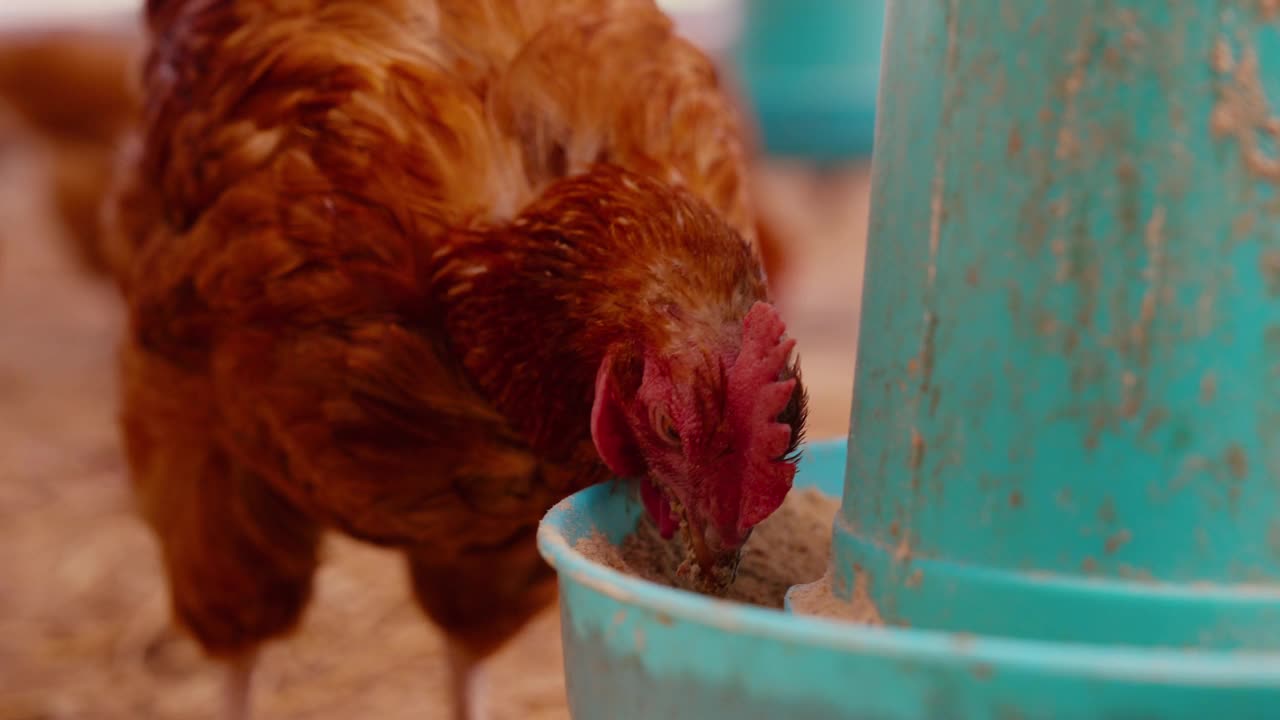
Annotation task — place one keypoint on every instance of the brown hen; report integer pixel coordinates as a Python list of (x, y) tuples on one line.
[(415, 270)]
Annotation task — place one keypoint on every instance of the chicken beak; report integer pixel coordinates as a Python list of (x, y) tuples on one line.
[(717, 562), (712, 563)]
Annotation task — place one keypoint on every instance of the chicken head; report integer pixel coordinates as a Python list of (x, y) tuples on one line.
[(713, 433)]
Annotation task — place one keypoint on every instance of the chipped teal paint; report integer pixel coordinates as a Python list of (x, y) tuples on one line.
[(638, 651), (1067, 422)]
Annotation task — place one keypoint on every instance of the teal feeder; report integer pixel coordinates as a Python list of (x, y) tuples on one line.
[(1066, 428), (1060, 487), (810, 69)]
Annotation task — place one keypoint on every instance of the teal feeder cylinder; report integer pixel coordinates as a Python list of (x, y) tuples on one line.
[(1067, 414)]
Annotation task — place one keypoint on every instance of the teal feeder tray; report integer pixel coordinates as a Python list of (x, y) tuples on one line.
[(1061, 485), (639, 651)]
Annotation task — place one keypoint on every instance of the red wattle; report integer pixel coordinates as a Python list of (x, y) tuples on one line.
[(659, 509)]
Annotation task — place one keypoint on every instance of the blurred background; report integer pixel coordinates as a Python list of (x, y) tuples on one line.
[(84, 629)]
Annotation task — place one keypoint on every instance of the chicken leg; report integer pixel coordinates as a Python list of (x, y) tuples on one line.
[(466, 679), (479, 598), (239, 686)]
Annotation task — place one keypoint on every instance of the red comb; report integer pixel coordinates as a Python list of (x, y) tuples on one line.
[(756, 397)]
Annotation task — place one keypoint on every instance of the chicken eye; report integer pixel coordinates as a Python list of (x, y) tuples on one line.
[(665, 427)]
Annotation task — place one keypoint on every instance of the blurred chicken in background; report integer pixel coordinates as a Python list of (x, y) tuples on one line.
[(74, 91)]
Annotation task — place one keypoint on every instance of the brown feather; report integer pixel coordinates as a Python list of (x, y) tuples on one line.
[(374, 251)]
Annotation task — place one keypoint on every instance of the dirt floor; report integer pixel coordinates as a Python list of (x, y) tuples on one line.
[(84, 631)]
